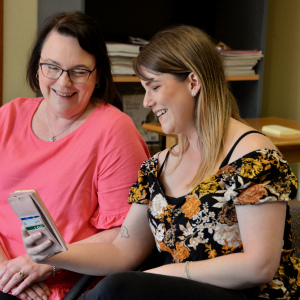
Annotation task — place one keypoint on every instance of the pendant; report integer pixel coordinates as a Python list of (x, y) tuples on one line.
[(52, 139)]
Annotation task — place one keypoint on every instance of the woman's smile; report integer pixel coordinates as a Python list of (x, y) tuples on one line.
[(64, 94)]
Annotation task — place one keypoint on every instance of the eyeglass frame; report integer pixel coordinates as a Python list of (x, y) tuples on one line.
[(63, 70)]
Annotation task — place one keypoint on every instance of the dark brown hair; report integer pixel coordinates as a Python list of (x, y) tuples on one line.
[(88, 33)]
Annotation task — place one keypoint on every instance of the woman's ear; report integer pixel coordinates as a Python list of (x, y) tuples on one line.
[(195, 84)]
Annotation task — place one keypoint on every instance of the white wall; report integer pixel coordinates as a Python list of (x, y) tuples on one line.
[(281, 87), (19, 24)]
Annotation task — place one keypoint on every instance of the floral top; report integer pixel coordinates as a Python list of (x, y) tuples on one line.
[(203, 224)]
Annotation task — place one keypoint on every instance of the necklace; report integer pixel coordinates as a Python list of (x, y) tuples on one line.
[(53, 138)]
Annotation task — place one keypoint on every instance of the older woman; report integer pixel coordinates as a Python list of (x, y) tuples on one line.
[(215, 205), (78, 151)]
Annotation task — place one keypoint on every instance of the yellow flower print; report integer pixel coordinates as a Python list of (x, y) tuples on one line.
[(251, 167), (294, 180), (212, 253), (192, 206), (165, 248), (298, 278), (181, 253), (227, 249), (208, 186), (140, 176), (138, 194)]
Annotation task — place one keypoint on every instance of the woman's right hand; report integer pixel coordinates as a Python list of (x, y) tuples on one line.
[(35, 251)]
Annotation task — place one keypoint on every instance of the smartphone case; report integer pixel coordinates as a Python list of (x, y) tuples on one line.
[(34, 215)]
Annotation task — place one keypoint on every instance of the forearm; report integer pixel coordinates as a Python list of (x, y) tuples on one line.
[(98, 259), (104, 236), (233, 271)]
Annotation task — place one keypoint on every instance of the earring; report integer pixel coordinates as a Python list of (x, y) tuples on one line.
[(97, 85), (193, 94)]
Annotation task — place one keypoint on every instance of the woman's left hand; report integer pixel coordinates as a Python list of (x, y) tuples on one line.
[(37, 291), (22, 272)]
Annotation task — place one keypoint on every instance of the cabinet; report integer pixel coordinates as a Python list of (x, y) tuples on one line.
[(239, 24)]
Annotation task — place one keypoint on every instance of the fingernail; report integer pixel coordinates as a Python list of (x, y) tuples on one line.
[(45, 297), (38, 234)]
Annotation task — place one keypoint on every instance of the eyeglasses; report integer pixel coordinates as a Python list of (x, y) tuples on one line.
[(77, 75)]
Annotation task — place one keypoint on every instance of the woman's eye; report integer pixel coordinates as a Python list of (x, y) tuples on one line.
[(53, 68), (155, 88), (79, 72)]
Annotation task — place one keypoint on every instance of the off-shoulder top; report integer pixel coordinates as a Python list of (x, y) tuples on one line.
[(203, 224)]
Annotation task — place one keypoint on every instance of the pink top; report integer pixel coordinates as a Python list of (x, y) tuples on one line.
[(83, 178)]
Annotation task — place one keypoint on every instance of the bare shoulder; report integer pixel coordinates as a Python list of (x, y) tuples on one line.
[(162, 156), (251, 142)]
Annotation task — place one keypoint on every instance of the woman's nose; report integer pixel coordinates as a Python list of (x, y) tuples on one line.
[(148, 101), (64, 79)]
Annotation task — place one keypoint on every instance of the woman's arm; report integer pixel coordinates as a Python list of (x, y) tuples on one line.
[(105, 236), (261, 228), (132, 245)]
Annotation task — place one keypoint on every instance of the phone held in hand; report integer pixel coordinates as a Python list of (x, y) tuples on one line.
[(32, 212)]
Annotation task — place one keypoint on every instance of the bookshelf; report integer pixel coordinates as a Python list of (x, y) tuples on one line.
[(239, 24)]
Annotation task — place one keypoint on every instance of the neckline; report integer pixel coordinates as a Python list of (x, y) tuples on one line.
[(192, 190), (39, 101)]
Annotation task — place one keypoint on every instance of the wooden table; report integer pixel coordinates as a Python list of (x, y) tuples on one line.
[(288, 145)]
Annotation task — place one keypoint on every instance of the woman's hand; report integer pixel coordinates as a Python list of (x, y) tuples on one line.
[(37, 291), (21, 275), (35, 251)]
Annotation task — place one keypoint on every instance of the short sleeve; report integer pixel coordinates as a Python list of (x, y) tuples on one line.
[(258, 177), (147, 176), (122, 154)]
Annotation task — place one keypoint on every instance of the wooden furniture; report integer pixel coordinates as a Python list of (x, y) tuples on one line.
[(289, 146)]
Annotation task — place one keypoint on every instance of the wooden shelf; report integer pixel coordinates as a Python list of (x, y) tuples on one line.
[(126, 79), (229, 78), (242, 77)]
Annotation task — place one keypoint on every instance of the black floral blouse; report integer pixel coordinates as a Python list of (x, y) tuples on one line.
[(203, 224)]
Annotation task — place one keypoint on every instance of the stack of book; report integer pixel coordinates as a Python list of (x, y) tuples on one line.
[(120, 55), (238, 62)]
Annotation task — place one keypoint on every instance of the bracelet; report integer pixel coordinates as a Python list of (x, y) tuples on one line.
[(53, 271), (186, 270)]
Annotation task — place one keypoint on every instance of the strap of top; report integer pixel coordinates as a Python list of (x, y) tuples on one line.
[(163, 164), (225, 161), (227, 158)]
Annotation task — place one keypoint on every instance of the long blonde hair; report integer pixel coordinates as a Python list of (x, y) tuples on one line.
[(181, 50)]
